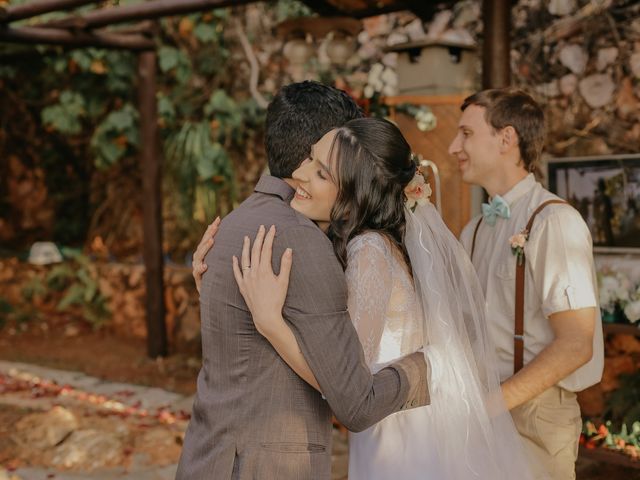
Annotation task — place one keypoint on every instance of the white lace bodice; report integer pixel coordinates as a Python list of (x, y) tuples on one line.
[(382, 300)]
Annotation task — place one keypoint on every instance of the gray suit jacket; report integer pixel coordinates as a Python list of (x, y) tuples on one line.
[(253, 417)]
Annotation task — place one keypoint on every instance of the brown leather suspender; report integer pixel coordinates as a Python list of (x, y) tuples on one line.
[(518, 336)]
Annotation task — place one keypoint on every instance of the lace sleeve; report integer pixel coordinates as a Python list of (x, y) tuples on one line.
[(369, 283)]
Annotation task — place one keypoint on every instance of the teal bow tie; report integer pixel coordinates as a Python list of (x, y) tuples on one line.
[(498, 207)]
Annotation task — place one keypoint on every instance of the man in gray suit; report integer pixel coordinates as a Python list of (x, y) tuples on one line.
[(253, 417)]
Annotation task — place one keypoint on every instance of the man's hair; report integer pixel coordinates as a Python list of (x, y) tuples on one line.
[(513, 107), (298, 116)]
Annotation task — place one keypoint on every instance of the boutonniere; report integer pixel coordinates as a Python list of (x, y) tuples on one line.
[(417, 192), (517, 245)]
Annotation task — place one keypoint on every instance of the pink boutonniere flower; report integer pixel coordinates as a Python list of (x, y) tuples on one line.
[(517, 243), (417, 192)]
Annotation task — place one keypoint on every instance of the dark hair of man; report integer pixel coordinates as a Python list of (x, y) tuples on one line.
[(374, 165), (298, 116), (513, 107)]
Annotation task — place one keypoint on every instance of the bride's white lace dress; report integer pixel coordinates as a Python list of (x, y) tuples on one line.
[(388, 319)]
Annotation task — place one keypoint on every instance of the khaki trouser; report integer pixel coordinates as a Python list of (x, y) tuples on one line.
[(550, 426)]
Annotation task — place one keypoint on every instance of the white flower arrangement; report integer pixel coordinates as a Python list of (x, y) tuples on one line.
[(617, 293)]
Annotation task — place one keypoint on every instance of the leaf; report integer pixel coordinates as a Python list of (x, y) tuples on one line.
[(65, 116), (205, 32), (168, 58), (59, 276), (82, 58), (74, 296)]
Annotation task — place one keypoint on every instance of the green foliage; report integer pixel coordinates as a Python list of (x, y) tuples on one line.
[(291, 9), (116, 136), (86, 100), (80, 288), (66, 115), (35, 288), (6, 311), (175, 61), (623, 404), (199, 166)]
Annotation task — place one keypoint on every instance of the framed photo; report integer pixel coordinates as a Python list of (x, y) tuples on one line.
[(606, 192)]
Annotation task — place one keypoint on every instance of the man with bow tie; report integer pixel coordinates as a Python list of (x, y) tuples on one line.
[(533, 254)]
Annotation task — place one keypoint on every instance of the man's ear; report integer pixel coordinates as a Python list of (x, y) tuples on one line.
[(508, 139)]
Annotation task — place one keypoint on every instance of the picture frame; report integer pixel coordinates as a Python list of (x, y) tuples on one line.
[(606, 191)]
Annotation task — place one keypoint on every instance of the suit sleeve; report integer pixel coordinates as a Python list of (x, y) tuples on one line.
[(316, 310)]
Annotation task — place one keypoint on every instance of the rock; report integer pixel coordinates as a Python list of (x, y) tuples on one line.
[(561, 7), (606, 56), (415, 30), (439, 24), (88, 450), (574, 58), (568, 84), (457, 35), (589, 146), (5, 475), (45, 430), (597, 90), (633, 135), (627, 103), (397, 38), (634, 64), (548, 89), (390, 60), (160, 445), (378, 25)]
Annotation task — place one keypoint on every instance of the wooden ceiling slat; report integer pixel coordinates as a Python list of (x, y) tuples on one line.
[(39, 7)]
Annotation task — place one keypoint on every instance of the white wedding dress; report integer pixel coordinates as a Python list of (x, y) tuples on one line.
[(465, 432), (387, 317)]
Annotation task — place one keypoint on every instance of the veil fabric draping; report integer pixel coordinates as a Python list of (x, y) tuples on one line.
[(477, 437)]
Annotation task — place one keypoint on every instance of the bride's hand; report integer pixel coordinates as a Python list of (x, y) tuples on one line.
[(198, 266), (264, 292)]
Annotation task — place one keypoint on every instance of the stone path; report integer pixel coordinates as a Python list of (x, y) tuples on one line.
[(75, 419)]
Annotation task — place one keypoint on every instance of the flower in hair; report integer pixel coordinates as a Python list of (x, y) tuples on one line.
[(417, 192)]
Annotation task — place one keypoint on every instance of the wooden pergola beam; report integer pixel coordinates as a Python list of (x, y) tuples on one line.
[(141, 11), (58, 36), (33, 9)]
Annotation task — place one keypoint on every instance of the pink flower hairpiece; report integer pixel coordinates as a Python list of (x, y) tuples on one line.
[(417, 191)]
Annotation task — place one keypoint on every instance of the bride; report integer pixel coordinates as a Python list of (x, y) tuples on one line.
[(411, 286)]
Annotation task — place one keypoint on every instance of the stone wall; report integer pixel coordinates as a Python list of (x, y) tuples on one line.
[(34, 291)]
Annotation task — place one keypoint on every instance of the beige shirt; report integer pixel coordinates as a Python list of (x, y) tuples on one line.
[(560, 275)]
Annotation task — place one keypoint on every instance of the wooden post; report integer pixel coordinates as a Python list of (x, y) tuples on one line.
[(496, 51), (151, 205)]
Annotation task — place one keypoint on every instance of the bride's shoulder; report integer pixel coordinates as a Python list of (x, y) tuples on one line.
[(370, 242)]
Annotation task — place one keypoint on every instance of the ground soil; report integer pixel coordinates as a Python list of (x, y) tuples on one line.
[(100, 354), (117, 359)]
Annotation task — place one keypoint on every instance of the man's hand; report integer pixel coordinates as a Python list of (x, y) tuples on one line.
[(198, 265)]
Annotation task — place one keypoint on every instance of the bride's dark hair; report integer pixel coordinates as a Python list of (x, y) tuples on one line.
[(374, 164)]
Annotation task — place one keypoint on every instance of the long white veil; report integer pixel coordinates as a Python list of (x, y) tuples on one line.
[(477, 437)]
